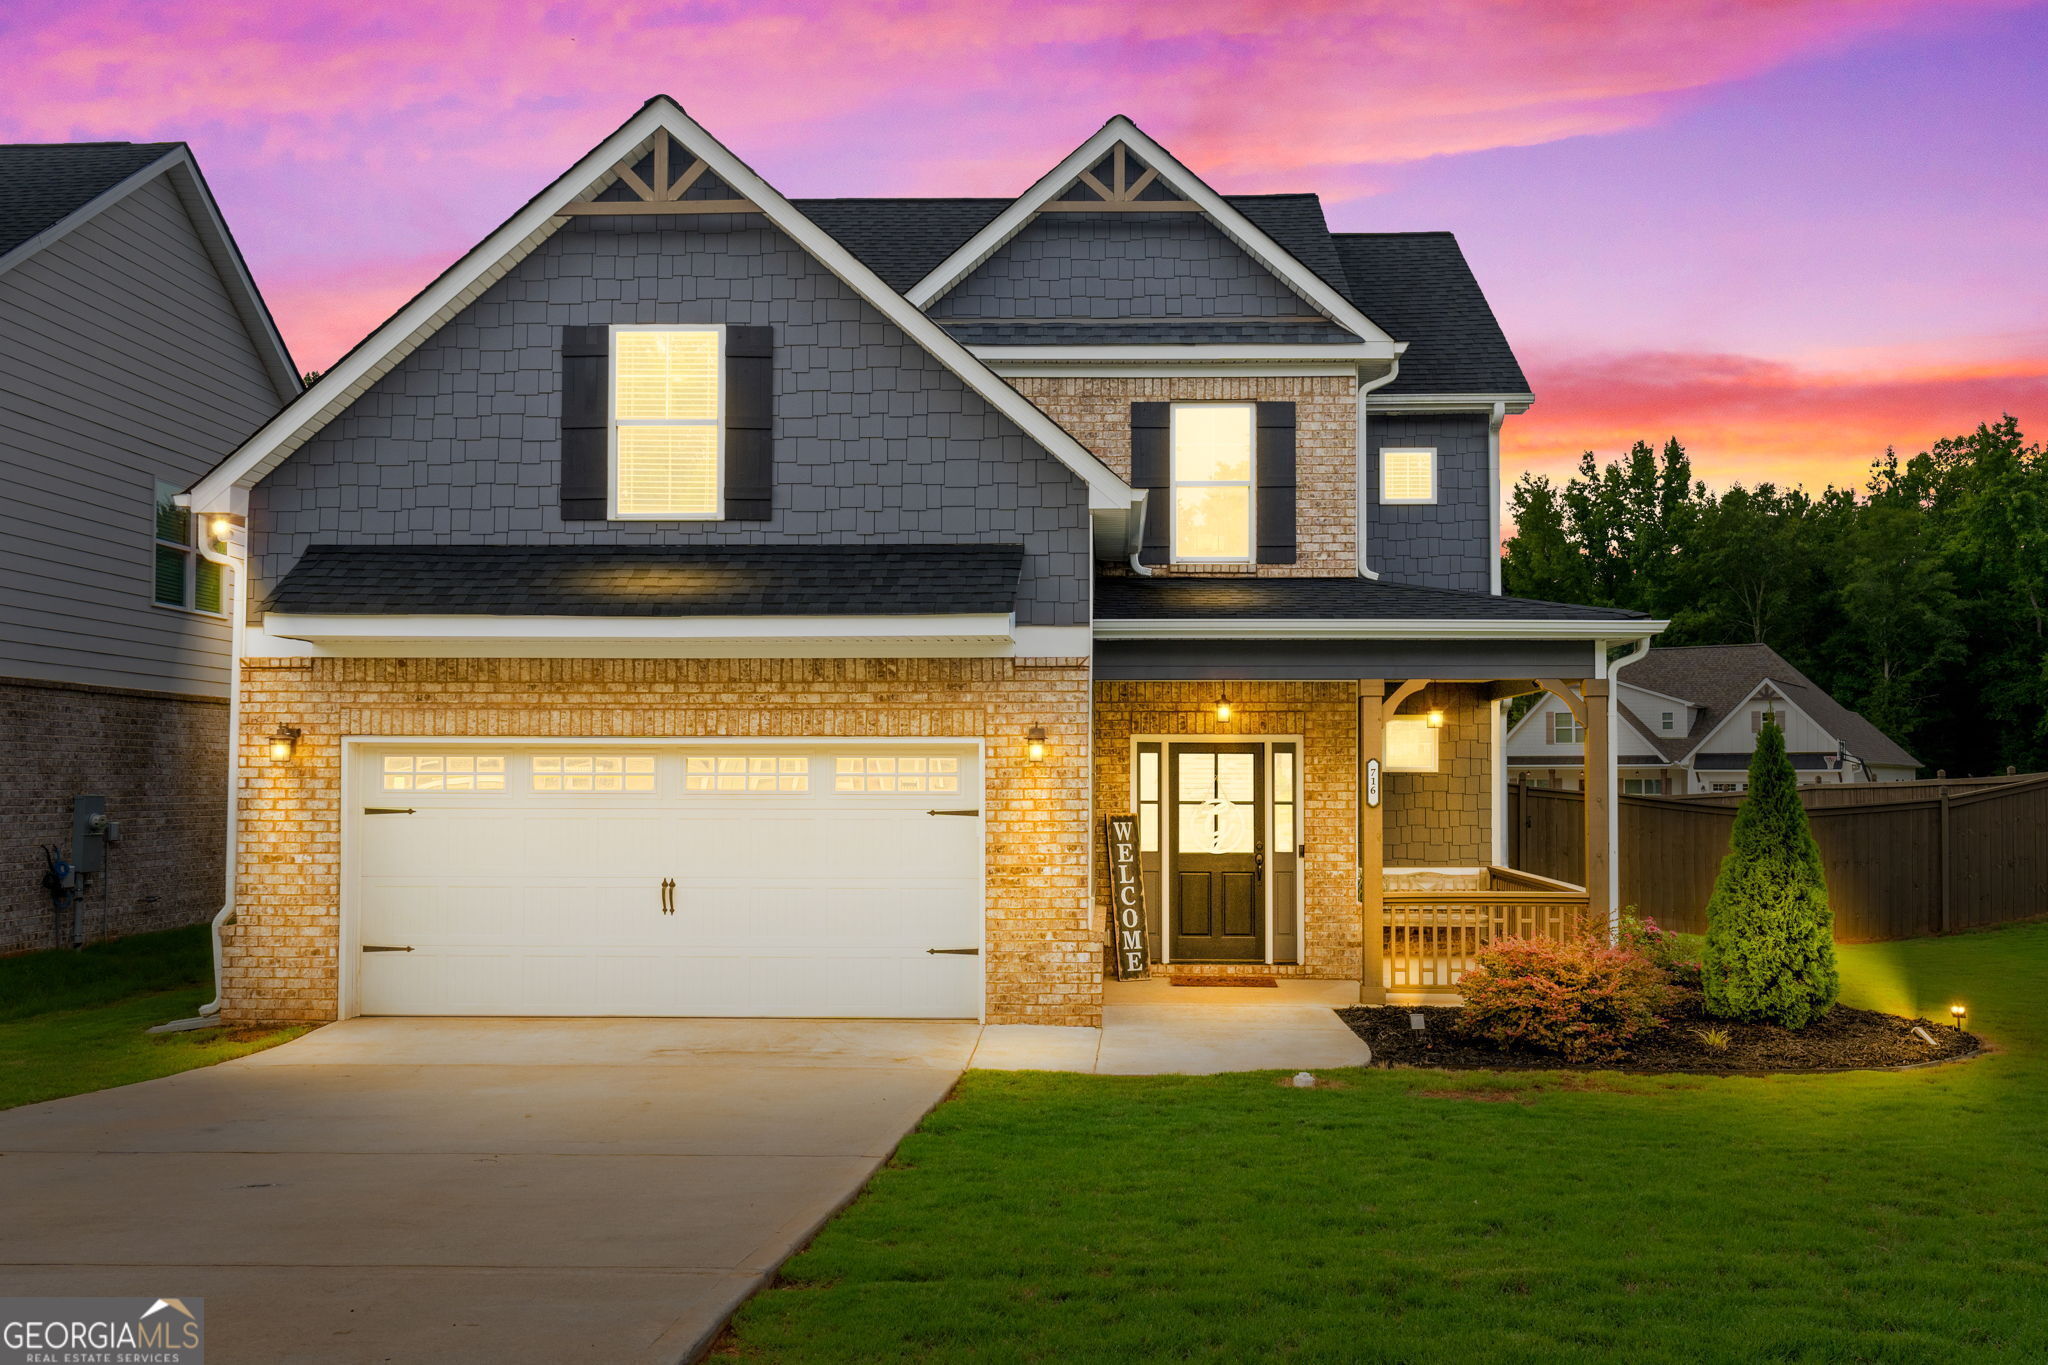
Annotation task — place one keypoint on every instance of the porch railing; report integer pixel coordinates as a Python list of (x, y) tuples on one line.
[(1434, 936)]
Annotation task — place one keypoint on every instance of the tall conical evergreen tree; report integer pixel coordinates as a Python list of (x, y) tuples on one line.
[(1770, 934)]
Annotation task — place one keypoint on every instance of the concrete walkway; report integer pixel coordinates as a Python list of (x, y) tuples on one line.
[(467, 1190), (1153, 1028)]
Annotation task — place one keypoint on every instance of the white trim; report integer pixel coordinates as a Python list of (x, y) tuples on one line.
[(1662, 696), (1497, 726), (519, 235), (1350, 355), (1172, 174), (1205, 367), (1238, 628), (1741, 708), (1454, 402), (1493, 551), (613, 422), (214, 238)]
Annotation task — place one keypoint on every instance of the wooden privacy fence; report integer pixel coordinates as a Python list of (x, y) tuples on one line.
[(1934, 857)]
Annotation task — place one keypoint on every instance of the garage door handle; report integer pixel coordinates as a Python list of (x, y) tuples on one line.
[(385, 948), (952, 812), (956, 952)]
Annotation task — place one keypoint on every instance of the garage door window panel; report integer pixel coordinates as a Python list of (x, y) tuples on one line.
[(746, 773), (895, 773), (443, 773), (593, 773)]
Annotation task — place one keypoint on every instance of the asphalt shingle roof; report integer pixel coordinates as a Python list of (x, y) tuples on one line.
[(42, 183), (1418, 288), (1719, 677), (1168, 598), (553, 580)]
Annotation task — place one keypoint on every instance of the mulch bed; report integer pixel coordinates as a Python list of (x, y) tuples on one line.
[(1844, 1040)]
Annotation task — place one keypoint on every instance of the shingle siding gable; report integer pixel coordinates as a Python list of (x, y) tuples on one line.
[(875, 441)]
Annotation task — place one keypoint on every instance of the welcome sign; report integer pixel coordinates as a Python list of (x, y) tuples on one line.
[(1126, 898)]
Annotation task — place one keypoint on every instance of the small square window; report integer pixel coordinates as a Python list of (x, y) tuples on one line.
[(1408, 475)]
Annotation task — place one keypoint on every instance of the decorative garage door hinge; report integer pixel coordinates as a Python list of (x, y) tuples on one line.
[(389, 810), (956, 952), (953, 812), (385, 948)]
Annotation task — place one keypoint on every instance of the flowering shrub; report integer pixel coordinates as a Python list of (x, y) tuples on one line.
[(1662, 947), (1580, 999)]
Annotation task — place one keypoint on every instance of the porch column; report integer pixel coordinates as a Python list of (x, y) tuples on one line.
[(1599, 793), (1372, 856)]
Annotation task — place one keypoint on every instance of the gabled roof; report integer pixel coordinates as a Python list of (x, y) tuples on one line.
[(520, 234), (1721, 678), (657, 581), (1418, 286), (1321, 293), (48, 189)]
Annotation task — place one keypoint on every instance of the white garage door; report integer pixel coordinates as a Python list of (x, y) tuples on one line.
[(823, 880)]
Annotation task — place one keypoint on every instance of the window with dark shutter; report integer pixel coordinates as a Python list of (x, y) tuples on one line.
[(1152, 470), (749, 423), (586, 418), (1276, 484)]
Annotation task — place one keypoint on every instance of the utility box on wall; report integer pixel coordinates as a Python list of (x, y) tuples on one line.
[(89, 831)]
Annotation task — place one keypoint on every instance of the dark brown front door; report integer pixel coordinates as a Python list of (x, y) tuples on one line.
[(1216, 838)]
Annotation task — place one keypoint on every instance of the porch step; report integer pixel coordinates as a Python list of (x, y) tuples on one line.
[(1222, 981)]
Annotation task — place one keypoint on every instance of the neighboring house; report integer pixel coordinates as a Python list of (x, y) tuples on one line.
[(1689, 722), (696, 602), (135, 353)]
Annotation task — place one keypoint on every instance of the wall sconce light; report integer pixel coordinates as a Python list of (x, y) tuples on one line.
[(1436, 720), (1958, 1014), (1034, 743), (1223, 711), (219, 528), (283, 741)]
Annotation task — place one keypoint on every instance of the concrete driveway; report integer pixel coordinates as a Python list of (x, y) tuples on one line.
[(467, 1190)]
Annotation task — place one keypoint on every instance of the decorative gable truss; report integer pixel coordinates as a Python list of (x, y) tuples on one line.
[(658, 161)]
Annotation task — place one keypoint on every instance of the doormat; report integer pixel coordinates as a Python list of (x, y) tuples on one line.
[(1222, 981)]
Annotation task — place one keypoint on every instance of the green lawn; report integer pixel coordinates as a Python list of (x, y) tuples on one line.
[(73, 1022), (1860, 1217)]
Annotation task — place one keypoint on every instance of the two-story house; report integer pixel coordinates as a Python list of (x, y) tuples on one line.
[(1689, 720), (135, 354), (698, 602)]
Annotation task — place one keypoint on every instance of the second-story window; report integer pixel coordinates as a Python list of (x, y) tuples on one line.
[(1407, 475), (1565, 728), (182, 576), (1212, 447), (666, 390)]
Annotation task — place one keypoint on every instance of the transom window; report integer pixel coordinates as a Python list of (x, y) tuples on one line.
[(1565, 728), (1408, 475), (1212, 457), (443, 773), (747, 773), (593, 773), (184, 577), (895, 773), (667, 384)]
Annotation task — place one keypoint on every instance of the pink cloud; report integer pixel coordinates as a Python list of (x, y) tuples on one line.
[(1748, 419)]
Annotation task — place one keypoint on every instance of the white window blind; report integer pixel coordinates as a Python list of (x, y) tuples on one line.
[(666, 384), (1212, 455), (1408, 475)]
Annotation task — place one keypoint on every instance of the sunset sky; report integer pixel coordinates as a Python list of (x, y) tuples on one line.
[(1791, 232)]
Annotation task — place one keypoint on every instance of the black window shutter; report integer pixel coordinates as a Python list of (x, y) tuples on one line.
[(749, 423), (1152, 470), (586, 415), (1275, 477)]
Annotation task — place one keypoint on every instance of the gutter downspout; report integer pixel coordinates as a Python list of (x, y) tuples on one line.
[(1134, 533), (1500, 415), (237, 624), (1365, 569), (1614, 666)]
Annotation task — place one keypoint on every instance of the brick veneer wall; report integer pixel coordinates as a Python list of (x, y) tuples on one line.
[(161, 762), (1045, 939), (1097, 411), (1325, 715), (1445, 818)]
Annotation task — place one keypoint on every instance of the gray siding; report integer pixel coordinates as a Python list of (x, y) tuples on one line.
[(122, 362), (1118, 265), (1442, 544), (874, 439)]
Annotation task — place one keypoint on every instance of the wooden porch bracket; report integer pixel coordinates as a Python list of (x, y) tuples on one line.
[(1561, 688), (1507, 689), (1404, 692), (1372, 856)]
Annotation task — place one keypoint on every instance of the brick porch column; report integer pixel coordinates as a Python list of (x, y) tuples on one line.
[(1372, 857)]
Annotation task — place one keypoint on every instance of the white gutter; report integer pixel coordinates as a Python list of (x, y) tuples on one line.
[(1239, 628), (1614, 666), (1365, 569), (237, 617), (1500, 415)]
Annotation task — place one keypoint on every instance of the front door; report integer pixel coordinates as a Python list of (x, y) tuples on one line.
[(1217, 837)]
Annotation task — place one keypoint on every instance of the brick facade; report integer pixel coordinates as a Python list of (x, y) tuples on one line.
[(1045, 939), (159, 759), (1097, 411)]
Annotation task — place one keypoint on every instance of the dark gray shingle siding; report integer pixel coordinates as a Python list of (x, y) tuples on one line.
[(875, 440), (1418, 288), (1444, 543), (642, 580)]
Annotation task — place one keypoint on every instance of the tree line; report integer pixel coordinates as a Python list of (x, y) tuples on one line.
[(1920, 600)]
